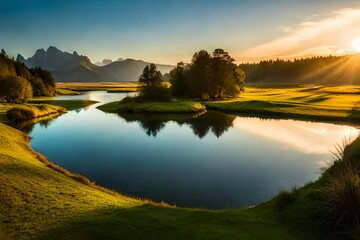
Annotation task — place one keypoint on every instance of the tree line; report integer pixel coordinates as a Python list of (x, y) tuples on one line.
[(19, 83), (208, 76), (287, 71)]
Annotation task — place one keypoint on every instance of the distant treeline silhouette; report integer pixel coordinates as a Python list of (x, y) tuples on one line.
[(333, 70)]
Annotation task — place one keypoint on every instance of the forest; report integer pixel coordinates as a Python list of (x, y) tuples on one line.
[(325, 70), (19, 83)]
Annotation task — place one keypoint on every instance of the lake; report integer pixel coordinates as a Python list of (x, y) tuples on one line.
[(211, 161)]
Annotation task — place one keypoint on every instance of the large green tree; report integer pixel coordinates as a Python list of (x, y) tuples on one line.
[(151, 76), (178, 80), (208, 76), (199, 74), (153, 89)]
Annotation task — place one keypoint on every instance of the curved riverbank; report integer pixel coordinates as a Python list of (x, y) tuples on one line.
[(178, 107), (40, 202)]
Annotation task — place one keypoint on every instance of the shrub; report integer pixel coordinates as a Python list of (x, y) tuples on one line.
[(129, 100), (341, 196), (156, 93), (285, 198), (20, 113), (15, 89)]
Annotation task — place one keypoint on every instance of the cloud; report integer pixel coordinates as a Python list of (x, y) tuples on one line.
[(316, 35)]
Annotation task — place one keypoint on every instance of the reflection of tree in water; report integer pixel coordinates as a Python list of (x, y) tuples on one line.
[(152, 127), (217, 123), (46, 123), (27, 126)]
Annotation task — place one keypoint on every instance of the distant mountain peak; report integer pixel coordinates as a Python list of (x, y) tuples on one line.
[(20, 58), (74, 67), (51, 48), (40, 51), (104, 62)]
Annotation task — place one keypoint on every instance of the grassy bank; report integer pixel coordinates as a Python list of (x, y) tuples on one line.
[(333, 104), (68, 104), (29, 111), (39, 202), (26, 112), (313, 103), (180, 106), (42, 107), (99, 86)]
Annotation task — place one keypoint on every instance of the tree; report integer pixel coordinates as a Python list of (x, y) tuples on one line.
[(151, 76), (15, 89), (199, 74), (208, 76), (222, 72), (177, 80), (3, 53), (153, 89)]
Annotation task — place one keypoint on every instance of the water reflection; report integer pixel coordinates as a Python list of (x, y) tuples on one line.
[(213, 160), (215, 122)]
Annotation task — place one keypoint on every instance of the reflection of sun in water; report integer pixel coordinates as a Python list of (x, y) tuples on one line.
[(356, 45)]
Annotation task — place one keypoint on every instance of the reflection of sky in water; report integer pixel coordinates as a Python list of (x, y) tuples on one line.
[(248, 164), (307, 137)]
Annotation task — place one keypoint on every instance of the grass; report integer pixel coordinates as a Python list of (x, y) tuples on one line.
[(63, 91), (43, 201), (318, 103), (124, 89), (180, 106), (51, 107), (38, 201), (68, 104), (313, 103), (29, 112), (104, 86)]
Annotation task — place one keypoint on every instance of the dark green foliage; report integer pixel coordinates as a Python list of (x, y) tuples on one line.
[(153, 89), (155, 93), (309, 70), (3, 53), (15, 89), (151, 76), (284, 199), (41, 80), (20, 113), (178, 80), (208, 76), (341, 195)]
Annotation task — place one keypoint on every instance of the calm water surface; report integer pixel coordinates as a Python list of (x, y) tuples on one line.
[(212, 161)]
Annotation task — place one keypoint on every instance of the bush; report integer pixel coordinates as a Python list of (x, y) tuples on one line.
[(155, 93), (15, 89), (285, 198), (20, 113), (341, 196)]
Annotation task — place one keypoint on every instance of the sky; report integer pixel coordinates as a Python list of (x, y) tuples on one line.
[(169, 31)]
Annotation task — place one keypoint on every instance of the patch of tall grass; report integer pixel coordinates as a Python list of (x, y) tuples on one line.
[(27, 112), (20, 113), (285, 198), (340, 204)]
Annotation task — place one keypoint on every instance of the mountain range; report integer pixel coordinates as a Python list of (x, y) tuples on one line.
[(67, 67)]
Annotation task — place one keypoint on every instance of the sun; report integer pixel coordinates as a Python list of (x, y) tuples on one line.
[(356, 45)]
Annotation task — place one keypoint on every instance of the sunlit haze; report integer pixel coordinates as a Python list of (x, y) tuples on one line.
[(171, 31)]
